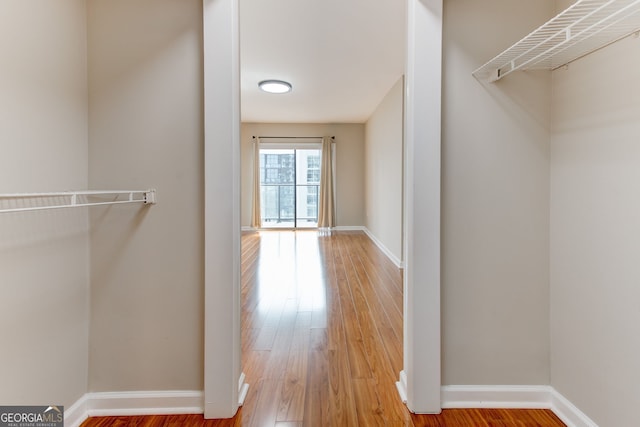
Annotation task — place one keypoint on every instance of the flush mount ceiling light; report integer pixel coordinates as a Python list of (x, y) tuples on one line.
[(275, 86)]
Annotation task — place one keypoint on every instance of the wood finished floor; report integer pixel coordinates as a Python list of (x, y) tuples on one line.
[(322, 341)]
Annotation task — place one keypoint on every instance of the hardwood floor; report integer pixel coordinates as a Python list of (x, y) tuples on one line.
[(448, 418), (322, 341), (322, 325)]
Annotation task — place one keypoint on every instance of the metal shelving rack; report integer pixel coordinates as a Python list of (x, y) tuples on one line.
[(23, 202), (586, 26)]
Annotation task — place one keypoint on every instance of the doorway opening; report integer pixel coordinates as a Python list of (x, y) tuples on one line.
[(419, 385), (289, 187)]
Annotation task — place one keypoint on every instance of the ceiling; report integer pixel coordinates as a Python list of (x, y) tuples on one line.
[(341, 56)]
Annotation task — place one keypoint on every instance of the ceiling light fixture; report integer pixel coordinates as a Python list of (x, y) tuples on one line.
[(275, 86)]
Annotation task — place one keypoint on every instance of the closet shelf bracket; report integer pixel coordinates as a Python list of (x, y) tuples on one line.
[(24, 202), (586, 26)]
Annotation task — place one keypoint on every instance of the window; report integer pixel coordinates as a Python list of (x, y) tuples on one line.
[(289, 181), (313, 175), (272, 176), (313, 169)]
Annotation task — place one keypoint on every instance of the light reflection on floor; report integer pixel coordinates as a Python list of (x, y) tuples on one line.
[(290, 271)]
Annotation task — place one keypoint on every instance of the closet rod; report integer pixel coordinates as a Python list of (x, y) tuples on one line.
[(290, 137), (148, 197)]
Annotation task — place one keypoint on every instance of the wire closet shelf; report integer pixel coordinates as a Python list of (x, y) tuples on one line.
[(586, 26), (24, 202)]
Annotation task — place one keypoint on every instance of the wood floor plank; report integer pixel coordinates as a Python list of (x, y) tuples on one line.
[(355, 346), (322, 341), (254, 364), (303, 320), (489, 418), (248, 409), (266, 338), (295, 377), (394, 352), (395, 411), (369, 407), (279, 353), (316, 405), (378, 364), (267, 404), (335, 323), (342, 407), (376, 284), (448, 418)]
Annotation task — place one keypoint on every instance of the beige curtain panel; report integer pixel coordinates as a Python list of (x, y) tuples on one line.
[(256, 219), (326, 209)]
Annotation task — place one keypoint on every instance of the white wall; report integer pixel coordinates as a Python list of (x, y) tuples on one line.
[(44, 321), (146, 130), (495, 200), (595, 234), (349, 164), (383, 171)]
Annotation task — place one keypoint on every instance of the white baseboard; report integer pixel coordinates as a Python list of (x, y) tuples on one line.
[(452, 396), (471, 396), (76, 413), (134, 403), (243, 389), (145, 403), (394, 259), (247, 228), (401, 385), (568, 412), (348, 228), (522, 397)]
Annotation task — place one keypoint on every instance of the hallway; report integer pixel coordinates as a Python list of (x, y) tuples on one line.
[(322, 329)]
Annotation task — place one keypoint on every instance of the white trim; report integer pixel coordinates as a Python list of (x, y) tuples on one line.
[(509, 396), (222, 339), (76, 413), (496, 396), (568, 412), (422, 190), (394, 259), (248, 228), (348, 228), (401, 385), (453, 396), (243, 389), (129, 403)]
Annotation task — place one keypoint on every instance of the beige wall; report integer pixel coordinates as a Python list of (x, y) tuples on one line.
[(595, 234), (349, 165), (495, 201), (44, 321), (146, 130), (144, 120), (383, 171)]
